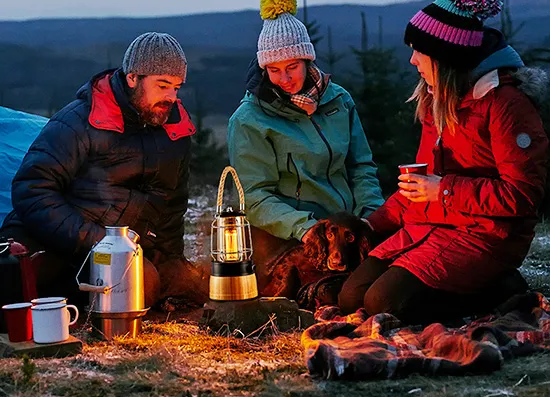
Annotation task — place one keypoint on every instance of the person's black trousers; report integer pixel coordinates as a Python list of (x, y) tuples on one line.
[(381, 288)]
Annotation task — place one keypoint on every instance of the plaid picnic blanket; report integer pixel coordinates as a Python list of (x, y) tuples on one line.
[(378, 347)]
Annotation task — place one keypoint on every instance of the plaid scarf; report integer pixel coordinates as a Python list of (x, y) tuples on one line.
[(309, 100)]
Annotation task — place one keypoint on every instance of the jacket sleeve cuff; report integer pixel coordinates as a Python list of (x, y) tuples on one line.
[(376, 220), (303, 228), (446, 190)]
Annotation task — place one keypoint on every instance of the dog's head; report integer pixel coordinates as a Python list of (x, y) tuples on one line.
[(338, 243)]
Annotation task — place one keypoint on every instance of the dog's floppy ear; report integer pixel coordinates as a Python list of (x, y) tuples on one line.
[(364, 248), (369, 240), (316, 245)]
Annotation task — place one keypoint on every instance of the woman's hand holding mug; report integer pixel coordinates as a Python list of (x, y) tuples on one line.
[(416, 185)]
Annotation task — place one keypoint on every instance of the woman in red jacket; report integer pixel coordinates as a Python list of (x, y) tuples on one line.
[(459, 233)]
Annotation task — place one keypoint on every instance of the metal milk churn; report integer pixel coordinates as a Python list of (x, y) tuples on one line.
[(116, 283)]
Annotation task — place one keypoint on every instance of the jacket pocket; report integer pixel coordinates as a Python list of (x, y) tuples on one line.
[(291, 164)]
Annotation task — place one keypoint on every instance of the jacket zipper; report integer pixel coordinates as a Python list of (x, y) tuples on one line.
[(318, 129), (289, 161)]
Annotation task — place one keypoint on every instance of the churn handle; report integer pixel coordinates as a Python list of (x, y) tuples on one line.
[(98, 289), (231, 170), (5, 246), (88, 287)]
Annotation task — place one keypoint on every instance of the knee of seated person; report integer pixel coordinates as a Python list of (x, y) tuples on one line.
[(382, 301), (350, 299), (512, 283)]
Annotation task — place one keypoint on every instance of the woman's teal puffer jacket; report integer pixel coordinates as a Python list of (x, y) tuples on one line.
[(296, 169)]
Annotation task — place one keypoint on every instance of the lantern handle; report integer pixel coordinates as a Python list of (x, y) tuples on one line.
[(231, 170)]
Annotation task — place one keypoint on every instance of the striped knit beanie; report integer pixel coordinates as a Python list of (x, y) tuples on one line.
[(283, 36), (451, 31)]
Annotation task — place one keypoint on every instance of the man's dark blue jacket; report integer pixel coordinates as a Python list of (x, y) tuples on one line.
[(97, 164)]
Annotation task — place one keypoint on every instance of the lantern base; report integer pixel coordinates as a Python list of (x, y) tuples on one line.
[(233, 281), (236, 288)]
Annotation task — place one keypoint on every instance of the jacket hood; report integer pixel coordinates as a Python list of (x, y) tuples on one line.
[(85, 92), (117, 87), (533, 82), (108, 96), (267, 93), (497, 54), (274, 99), (254, 76)]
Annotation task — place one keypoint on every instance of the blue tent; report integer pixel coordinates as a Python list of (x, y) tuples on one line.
[(17, 131)]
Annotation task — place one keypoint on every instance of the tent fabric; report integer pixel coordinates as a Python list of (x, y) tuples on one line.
[(17, 131)]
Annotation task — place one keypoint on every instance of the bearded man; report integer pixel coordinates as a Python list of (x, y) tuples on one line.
[(118, 155)]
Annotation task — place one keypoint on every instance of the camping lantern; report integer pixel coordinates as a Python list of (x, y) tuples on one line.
[(232, 275)]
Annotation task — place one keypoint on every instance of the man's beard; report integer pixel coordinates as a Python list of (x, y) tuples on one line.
[(156, 114)]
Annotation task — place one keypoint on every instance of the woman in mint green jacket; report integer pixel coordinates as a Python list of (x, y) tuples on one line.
[(296, 140)]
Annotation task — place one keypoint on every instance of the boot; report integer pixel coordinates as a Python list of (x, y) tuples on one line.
[(151, 283), (179, 277)]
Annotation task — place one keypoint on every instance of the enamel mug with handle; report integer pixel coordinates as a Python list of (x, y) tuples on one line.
[(50, 322), (47, 300)]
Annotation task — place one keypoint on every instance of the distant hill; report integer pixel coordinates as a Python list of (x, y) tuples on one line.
[(240, 29), (43, 62)]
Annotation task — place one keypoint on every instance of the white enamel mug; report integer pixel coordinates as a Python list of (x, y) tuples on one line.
[(50, 322), (45, 301), (51, 299)]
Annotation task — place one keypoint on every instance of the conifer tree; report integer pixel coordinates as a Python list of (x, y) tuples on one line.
[(207, 158), (380, 91)]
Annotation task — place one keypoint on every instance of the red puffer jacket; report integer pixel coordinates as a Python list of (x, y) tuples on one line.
[(494, 172)]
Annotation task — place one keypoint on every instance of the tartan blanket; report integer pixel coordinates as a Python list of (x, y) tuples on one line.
[(360, 347)]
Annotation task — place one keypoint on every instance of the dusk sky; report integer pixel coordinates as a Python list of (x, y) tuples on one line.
[(32, 9)]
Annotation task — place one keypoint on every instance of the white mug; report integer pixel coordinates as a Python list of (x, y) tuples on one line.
[(51, 299), (44, 301), (50, 322)]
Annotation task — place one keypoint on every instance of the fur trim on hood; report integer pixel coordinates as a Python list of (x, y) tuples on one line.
[(533, 82)]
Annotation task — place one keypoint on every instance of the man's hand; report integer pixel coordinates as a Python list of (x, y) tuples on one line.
[(419, 188)]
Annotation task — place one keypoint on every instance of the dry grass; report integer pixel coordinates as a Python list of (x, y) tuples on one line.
[(167, 359), (177, 358)]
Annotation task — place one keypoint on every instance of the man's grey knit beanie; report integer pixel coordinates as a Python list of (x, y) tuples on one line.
[(155, 54), (283, 36)]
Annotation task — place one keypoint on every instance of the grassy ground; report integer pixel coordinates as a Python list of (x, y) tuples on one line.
[(176, 358)]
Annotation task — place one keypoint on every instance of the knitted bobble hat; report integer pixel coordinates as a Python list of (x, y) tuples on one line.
[(451, 31), (283, 36), (155, 54)]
